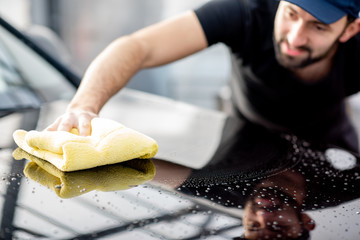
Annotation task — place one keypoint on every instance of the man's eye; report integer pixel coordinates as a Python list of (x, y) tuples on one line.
[(320, 27), (290, 14)]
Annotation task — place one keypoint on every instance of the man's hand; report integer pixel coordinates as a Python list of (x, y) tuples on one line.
[(74, 119)]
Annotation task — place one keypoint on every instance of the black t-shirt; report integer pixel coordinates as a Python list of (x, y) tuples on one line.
[(267, 93)]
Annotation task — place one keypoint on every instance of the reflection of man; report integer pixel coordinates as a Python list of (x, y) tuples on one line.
[(273, 210), (272, 201), (273, 205)]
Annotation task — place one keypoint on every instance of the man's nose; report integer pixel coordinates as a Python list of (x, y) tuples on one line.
[(297, 35), (265, 218)]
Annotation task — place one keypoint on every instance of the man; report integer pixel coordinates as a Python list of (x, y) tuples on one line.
[(294, 63), (273, 211)]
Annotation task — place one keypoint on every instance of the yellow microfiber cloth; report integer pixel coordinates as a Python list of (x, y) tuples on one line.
[(120, 176), (110, 142)]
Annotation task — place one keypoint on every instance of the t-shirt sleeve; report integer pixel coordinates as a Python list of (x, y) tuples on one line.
[(222, 21)]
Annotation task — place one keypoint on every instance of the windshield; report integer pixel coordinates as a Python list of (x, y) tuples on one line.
[(27, 79), (15, 94)]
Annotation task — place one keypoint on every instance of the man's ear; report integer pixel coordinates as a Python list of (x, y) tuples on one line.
[(309, 223), (351, 30)]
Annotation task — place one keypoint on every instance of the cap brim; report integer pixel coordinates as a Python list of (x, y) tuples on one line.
[(320, 9)]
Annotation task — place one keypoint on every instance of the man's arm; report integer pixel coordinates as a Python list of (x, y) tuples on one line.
[(156, 45)]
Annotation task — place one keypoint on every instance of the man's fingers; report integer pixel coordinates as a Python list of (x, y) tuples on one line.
[(65, 126), (78, 119), (63, 123), (84, 126)]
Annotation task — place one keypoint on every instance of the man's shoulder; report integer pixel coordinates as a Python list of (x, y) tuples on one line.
[(233, 21), (258, 5), (243, 10)]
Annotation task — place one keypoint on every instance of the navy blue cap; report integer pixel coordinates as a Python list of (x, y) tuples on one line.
[(329, 11)]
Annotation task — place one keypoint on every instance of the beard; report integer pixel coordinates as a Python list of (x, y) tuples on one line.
[(296, 62)]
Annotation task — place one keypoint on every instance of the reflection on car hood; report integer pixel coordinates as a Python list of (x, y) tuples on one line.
[(248, 170), (115, 177)]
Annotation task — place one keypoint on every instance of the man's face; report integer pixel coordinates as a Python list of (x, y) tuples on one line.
[(271, 215), (300, 39)]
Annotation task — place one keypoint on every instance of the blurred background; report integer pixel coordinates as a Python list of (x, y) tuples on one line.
[(75, 31)]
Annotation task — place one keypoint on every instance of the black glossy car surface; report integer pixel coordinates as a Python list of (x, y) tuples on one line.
[(216, 177)]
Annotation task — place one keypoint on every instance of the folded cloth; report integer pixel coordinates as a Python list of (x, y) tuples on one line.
[(120, 176), (110, 142)]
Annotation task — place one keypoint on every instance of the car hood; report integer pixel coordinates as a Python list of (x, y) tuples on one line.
[(230, 163)]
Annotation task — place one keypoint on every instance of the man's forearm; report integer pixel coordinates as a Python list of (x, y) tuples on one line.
[(155, 45), (108, 73)]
